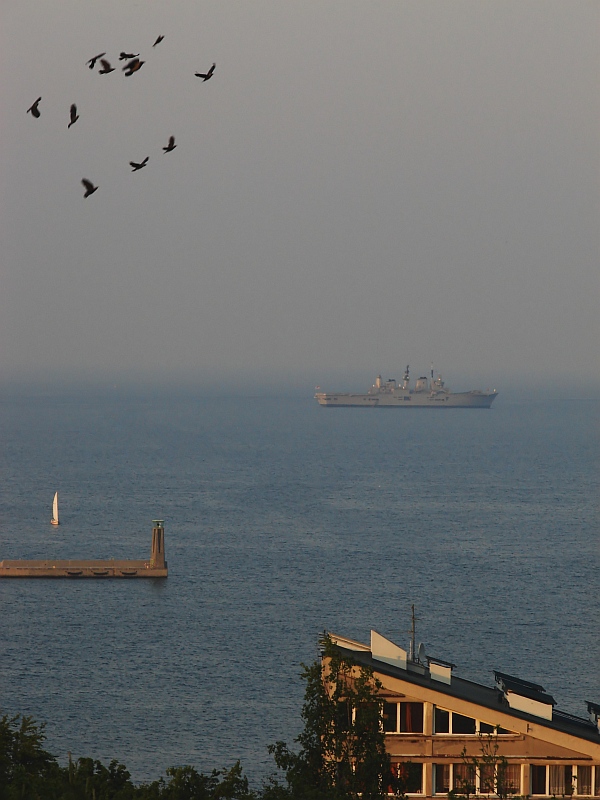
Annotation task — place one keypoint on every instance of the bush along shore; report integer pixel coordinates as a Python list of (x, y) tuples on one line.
[(340, 756)]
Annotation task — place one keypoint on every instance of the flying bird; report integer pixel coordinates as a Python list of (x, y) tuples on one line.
[(74, 115), (206, 75), (123, 56), (171, 146), (34, 110), (136, 166), (106, 67), (158, 41), (89, 187), (133, 66), (92, 62)]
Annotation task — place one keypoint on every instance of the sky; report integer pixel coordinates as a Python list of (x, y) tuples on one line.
[(360, 185)]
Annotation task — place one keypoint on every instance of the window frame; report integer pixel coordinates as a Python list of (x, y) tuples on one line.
[(476, 780), (478, 724), (421, 792), (398, 731), (594, 780), (576, 768)]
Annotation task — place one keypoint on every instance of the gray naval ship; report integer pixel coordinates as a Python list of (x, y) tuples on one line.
[(428, 393)]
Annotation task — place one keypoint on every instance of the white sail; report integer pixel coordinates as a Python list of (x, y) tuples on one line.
[(54, 520)]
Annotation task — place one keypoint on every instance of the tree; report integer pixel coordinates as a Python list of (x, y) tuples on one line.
[(186, 783), (27, 770), (489, 767), (89, 779), (342, 745)]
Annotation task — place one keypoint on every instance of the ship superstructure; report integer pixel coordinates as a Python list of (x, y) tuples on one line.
[(427, 393)]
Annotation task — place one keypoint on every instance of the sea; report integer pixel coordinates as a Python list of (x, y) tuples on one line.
[(283, 520)]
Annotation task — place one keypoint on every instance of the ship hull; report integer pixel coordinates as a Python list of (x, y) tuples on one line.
[(473, 399)]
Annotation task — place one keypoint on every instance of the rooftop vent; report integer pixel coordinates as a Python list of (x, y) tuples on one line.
[(440, 670), (594, 712), (531, 698)]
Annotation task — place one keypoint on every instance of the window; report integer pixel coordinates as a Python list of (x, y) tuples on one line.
[(560, 779), (583, 784), (343, 715), (367, 717), (411, 717), (409, 720), (441, 778), (487, 779), (411, 776), (441, 721), (597, 781), (390, 717), (485, 727), (538, 779), (509, 779), (453, 722), (462, 724), (463, 779)]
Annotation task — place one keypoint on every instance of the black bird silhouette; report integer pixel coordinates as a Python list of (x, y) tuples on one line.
[(138, 166), (171, 146), (106, 67), (92, 62), (123, 56), (74, 115), (133, 66), (34, 110), (206, 75), (89, 187), (158, 41)]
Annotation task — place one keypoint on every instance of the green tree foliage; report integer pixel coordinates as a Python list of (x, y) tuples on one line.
[(489, 767), (91, 780), (342, 746), (185, 783), (27, 770)]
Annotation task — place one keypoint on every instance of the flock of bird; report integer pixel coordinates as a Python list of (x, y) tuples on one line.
[(134, 64)]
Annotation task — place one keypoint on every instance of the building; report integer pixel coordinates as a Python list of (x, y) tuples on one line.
[(431, 717)]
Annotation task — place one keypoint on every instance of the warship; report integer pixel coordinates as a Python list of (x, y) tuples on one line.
[(428, 393)]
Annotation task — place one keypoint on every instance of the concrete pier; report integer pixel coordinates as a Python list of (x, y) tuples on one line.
[(156, 567)]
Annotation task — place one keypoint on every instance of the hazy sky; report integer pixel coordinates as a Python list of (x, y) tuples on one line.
[(361, 185)]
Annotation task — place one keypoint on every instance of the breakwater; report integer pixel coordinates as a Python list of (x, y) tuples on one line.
[(155, 567)]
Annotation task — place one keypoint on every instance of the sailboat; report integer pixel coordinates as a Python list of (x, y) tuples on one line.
[(54, 520)]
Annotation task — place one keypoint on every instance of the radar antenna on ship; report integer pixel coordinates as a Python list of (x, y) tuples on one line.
[(406, 379)]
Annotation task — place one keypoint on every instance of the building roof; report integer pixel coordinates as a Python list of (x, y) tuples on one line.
[(488, 697), (525, 688)]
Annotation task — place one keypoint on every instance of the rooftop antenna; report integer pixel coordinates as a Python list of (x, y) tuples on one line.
[(412, 651)]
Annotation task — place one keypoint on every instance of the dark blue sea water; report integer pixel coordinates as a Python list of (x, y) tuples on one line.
[(283, 519)]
